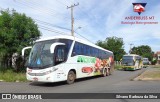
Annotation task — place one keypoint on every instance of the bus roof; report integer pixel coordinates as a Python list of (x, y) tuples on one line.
[(145, 58), (131, 55), (73, 38)]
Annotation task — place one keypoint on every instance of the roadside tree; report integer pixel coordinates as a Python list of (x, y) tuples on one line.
[(114, 44), (16, 31), (144, 51)]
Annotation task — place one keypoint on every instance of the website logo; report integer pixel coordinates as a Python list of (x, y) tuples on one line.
[(6, 96), (139, 7)]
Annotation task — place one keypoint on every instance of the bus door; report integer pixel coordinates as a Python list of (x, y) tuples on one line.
[(60, 56)]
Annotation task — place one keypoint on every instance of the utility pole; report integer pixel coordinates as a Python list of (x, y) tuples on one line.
[(72, 18), (130, 48)]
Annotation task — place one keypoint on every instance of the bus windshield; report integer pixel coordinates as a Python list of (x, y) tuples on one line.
[(128, 60), (40, 55)]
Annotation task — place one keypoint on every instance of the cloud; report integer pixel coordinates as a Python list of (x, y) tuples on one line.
[(117, 12)]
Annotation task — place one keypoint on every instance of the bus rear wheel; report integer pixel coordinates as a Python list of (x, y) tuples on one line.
[(71, 77), (106, 72)]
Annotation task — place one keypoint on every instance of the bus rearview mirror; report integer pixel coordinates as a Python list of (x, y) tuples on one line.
[(53, 46)]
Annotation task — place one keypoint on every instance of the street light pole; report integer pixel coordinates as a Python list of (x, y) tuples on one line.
[(77, 29)]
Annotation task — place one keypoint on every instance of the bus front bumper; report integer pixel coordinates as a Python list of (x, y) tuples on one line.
[(44, 78), (128, 67)]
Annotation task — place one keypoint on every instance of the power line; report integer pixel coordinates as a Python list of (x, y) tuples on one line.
[(49, 24), (87, 14), (61, 2), (39, 9), (24, 4), (46, 28), (66, 5), (33, 3), (69, 3), (83, 37), (52, 30), (62, 33), (72, 22), (42, 22)]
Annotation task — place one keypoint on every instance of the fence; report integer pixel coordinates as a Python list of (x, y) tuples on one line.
[(117, 63)]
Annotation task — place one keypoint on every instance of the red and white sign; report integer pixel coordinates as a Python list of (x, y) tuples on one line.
[(138, 8)]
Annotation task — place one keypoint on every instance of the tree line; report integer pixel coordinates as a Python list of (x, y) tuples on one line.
[(116, 45)]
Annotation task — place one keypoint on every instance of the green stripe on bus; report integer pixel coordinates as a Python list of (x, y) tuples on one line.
[(85, 59)]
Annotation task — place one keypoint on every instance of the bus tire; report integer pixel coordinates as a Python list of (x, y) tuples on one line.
[(104, 72), (71, 77), (108, 72)]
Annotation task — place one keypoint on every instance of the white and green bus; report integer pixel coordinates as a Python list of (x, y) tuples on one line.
[(132, 62), (66, 58)]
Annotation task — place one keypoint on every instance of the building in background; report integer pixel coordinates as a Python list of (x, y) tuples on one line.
[(158, 57)]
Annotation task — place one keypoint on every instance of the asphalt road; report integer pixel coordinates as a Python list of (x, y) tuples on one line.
[(118, 82)]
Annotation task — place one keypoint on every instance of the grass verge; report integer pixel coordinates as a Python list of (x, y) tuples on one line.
[(156, 66), (9, 75), (118, 67), (151, 74)]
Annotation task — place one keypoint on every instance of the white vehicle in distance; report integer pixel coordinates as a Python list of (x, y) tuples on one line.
[(66, 58), (145, 62)]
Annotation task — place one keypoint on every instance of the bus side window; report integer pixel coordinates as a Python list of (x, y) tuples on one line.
[(60, 54)]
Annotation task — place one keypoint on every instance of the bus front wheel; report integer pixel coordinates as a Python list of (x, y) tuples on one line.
[(71, 77)]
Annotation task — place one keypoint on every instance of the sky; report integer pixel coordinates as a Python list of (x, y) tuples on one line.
[(93, 19)]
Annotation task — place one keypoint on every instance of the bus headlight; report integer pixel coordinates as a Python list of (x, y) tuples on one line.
[(50, 71), (54, 69)]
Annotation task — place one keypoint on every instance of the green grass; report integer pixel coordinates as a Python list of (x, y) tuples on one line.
[(9, 75), (152, 74), (156, 66), (118, 67)]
